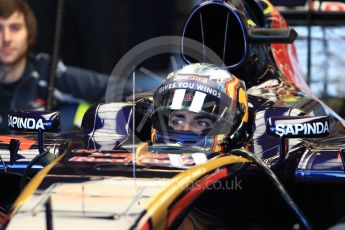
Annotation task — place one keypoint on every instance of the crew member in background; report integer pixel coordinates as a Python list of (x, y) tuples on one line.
[(24, 77)]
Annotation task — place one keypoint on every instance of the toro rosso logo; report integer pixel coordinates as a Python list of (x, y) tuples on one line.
[(298, 126), (25, 123)]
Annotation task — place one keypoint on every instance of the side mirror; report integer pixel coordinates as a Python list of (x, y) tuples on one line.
[(33, 121), (272, 35), (298, 127)]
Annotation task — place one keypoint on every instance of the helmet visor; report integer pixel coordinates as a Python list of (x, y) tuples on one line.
[(209, 106), (192, 100)]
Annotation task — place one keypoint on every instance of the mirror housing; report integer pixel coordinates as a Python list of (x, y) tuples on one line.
[(298, 127), (33, 121), (272, 35)]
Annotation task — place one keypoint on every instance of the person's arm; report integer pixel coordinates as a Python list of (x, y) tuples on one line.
[(82, 84)]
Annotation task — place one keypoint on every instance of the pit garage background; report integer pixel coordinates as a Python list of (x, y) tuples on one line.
[(96, 34)]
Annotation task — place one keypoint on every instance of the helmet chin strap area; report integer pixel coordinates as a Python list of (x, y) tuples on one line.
[(238, 135), (187, 138)]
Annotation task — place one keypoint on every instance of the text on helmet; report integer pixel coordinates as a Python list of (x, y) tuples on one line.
[(190, 85)]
